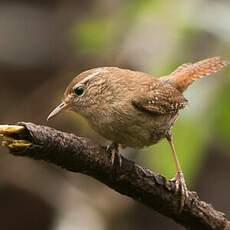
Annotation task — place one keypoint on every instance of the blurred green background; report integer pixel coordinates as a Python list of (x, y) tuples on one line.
[(44, 44)]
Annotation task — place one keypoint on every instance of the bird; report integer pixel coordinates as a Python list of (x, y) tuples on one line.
[(135, 109)]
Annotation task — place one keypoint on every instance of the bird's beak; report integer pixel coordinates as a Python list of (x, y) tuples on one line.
[(57, 110)]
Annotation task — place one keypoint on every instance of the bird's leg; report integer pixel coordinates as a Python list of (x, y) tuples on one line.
[(114, 148), (181, 188)]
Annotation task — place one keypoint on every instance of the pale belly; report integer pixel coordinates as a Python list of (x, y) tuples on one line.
[(138, 133)]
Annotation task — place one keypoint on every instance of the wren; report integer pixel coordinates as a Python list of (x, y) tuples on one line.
[(135, 109)]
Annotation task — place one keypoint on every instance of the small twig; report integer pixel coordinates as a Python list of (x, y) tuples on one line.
[(79, 154)]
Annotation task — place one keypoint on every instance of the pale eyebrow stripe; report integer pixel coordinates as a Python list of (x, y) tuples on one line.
[(92, 76)]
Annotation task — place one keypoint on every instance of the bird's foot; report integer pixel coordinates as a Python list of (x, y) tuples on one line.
[(114, 149), (181, 189)]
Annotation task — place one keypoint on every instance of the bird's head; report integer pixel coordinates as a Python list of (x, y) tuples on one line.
[(84, 92)]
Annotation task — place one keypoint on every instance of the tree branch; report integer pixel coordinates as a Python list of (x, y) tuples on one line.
[(79, 154)]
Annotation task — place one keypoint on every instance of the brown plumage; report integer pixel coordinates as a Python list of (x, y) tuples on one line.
[(185, 74), (135, 109)]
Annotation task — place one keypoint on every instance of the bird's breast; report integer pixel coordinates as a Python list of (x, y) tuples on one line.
[(135, 129)]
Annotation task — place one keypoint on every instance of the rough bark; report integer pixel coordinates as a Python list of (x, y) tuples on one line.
[(79, 154)]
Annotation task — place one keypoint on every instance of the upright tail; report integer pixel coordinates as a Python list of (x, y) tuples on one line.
[(185, 74)]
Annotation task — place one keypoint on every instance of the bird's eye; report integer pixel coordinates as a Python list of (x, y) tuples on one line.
[(79, 90)]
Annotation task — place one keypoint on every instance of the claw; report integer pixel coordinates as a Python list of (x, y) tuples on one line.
[(181, 189), (113, 153), (114, 148)]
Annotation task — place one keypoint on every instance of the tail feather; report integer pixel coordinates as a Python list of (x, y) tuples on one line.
[(185, 74)]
